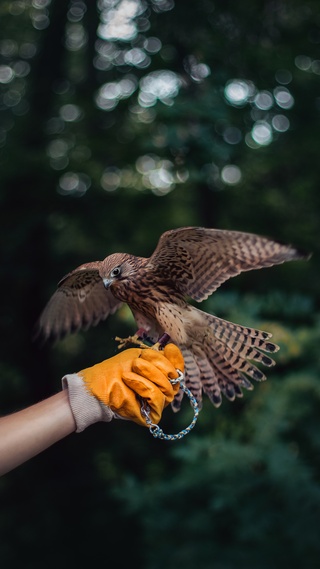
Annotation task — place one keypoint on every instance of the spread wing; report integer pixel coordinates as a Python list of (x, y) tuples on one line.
[(199, 260), (80, 301)]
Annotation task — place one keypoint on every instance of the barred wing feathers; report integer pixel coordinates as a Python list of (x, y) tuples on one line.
[(199, 260), (80, 301)]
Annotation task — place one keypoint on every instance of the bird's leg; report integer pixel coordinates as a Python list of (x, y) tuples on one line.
[(163, 340), (140, 338)]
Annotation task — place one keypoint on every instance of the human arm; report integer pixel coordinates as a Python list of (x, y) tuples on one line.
[(99, 393), (28, 432)]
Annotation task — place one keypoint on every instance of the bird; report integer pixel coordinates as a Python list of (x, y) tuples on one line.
[(188, 264)]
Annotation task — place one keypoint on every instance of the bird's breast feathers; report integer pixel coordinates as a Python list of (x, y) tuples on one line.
[(178, 320)]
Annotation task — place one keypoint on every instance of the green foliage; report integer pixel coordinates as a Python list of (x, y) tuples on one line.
[(244, 491)]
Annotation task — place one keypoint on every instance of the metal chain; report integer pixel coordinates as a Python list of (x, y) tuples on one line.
[(155, 430)]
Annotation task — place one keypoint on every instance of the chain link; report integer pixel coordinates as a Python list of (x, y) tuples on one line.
[(155, 430)]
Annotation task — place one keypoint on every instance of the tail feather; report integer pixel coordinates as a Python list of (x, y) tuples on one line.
[(238, 362), (176, 403), (219, 360), (209, 378), (193, 374), (227, 375), (192, 378), (245, 382), (230, 334), (250, 352)]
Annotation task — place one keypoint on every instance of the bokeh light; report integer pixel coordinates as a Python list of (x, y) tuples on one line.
[(151, 172), (76, 37), (231, 174), (237, 92), (158, 85), (74, 183), (232, 135), (162, 5), (137, 57), (111, 179), (21, 68), (157, 174), (152, 45), (70, 113), (39, 14), (198, 71), (8, 48), (283, 97), (280, 123), (111, 93), (262, 133), (6, 74), (283, 76), (57, 148), (263, 100), (77, 10), (27, 50), (117, 20), (303, 62), (16, 8)]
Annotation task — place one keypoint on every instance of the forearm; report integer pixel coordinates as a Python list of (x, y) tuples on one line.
[(113, 388), (28, 432)]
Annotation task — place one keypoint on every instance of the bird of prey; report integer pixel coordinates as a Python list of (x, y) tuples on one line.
[(190, 262)]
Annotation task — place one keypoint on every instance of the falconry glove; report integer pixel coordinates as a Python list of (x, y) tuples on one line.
[(111, 389)]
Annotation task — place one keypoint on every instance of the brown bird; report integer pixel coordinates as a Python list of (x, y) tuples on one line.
[(188, 262)]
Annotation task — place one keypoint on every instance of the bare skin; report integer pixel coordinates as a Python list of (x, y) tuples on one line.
[(26, 433)]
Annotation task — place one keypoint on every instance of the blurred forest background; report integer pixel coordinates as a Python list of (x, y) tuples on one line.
[(121, 119)]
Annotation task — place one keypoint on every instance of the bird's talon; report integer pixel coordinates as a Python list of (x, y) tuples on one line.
[(124, 342)]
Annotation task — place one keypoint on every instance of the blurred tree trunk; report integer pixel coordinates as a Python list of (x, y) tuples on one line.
[(25, 188)]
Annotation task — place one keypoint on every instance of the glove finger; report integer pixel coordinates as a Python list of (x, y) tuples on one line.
[(150, 392), (151, 372), (123, 401), (174, 355), (159, 360), (109, 369), (123, 360), (142, 386)]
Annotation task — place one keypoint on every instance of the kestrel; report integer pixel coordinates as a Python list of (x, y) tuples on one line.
[(190, 262)]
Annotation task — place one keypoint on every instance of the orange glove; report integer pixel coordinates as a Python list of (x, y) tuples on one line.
[(110, 389)]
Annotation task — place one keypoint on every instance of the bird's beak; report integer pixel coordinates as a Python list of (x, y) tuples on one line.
[(107, 282)]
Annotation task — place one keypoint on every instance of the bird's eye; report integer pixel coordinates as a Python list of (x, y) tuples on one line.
[(115, 272)]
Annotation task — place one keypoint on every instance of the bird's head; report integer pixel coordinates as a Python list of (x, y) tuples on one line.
[(117, 268)]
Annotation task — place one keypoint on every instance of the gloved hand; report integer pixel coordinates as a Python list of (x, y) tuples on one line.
[(110, 389)]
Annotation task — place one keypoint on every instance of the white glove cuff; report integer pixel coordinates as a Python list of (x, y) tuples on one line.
[(86, 409)]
